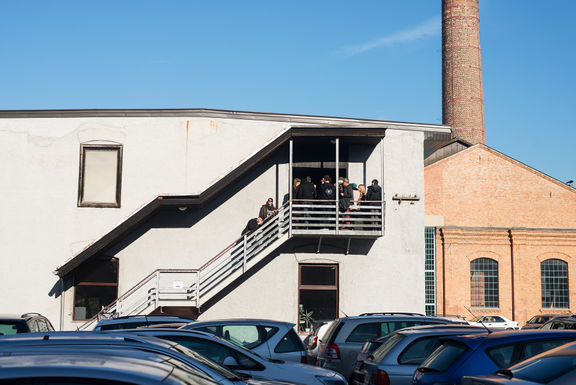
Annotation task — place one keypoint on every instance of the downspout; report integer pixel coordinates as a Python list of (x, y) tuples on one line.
[(512, 272), (61, 304), (291, 185), (443, 272)]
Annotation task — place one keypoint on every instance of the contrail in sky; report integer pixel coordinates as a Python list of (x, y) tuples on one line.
[(425, 29)]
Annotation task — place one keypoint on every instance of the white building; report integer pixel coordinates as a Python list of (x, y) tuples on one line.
[(148, 206)]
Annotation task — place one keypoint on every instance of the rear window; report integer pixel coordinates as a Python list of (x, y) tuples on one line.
[(502, 355), (536, 347), (13, 327), (545, 369), (373, 330), (418, 350), (289, 343), (332, 331), (385, 348), (445, 356)]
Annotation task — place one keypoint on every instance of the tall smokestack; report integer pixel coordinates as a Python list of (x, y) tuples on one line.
[(462, 97)]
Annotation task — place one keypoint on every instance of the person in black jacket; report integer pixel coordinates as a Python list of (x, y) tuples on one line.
[(252, 225), (374, 192), (307, 190)]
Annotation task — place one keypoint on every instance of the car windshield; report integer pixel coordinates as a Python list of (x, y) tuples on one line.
[(443, 357), (477, 318), (538, 319), (385, 348), (224, 372), (545, 369)]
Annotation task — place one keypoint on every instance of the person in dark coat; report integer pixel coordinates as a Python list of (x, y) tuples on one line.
[(326, 191), (307, 190), (346, 195), (252, 225), (374, 192)]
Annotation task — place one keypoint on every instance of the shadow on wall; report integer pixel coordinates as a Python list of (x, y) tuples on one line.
[(330, 246)]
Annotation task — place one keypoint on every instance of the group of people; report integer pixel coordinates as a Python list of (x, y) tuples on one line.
[(348, 195)]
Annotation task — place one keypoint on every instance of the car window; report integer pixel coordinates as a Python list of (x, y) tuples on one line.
[(386, 347), (498, 319), (503, 355), (536, 347), (243, 335), (366, 331), (208, 329), (417, 351), (442, 358), (289, 343), (547, 326), (123, 325), (13, 327), (217, 352), (545, 369)]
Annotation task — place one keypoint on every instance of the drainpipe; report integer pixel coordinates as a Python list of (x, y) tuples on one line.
[(512, 272), (443, 272)]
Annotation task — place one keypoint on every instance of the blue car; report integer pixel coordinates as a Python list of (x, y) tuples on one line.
[(484, 354)]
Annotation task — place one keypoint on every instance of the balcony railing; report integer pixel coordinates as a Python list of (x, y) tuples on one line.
[(321, 217)]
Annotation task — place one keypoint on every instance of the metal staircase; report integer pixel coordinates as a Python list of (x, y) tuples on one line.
[(192, 287)]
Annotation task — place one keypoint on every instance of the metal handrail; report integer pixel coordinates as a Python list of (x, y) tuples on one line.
[(294, 217)]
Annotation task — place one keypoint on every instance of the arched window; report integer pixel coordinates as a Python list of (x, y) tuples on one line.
[(484, 283), (554, 274)]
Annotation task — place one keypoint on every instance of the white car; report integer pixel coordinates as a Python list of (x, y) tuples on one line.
[(494, 322)]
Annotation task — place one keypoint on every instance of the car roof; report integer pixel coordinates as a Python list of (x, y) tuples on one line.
[(440, 329), (475, 340), (241, 321), (91, 365)]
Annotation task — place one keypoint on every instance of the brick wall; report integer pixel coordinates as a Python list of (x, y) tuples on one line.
[(496, 207), (462, 96)]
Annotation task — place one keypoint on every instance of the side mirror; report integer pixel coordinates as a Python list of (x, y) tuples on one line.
[(230, 362)]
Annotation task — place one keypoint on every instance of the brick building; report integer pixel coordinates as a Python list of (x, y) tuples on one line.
[(505, 238)]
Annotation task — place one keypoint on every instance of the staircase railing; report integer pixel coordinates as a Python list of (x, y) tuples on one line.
[(193, 286), (183, 287)]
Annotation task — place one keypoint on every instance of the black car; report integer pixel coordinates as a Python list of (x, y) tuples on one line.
[(25, 323), (567, 322)]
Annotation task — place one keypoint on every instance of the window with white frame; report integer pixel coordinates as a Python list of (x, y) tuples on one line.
[(100, 175), (554, 275)]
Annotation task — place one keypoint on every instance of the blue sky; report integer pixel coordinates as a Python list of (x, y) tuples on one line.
[(376, 59)]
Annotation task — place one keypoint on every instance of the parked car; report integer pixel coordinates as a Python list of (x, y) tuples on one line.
[(313, 341), (346, 336), (63, 341), (242, 360), (270, 339), (554, 367), (485, 353), (398, 357), (537, 321), (137, 321), (25, 323), (494, 322), (94, 368), (567, 322)]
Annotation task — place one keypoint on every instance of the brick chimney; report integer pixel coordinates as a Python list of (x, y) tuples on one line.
[(462, 97)]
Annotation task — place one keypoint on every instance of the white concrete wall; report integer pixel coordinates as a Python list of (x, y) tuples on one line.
[(40, 224)]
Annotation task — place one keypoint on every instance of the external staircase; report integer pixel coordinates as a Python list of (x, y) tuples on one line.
[(193, 287)]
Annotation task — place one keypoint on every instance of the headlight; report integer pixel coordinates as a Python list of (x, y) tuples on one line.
[(330, 380)]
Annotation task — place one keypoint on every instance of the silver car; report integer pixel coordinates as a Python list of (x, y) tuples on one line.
[(346, 336), (398, 357), (270, 339)]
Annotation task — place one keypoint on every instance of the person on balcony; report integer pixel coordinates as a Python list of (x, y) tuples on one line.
[(307, 190), (268, 209), (326, 191), (374, 192), (346, 197)]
